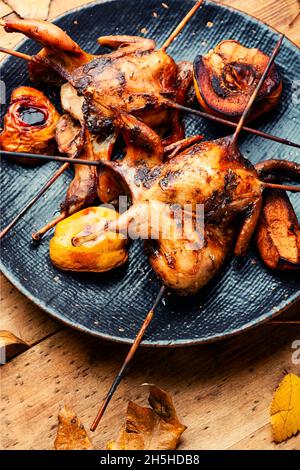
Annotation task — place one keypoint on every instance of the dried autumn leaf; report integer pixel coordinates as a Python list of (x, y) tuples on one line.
[(10, 345), (155, 428), (37, 9), (285, 408), (71, 434)]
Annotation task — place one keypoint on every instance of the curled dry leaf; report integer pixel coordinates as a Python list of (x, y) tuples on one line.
[(155, 428), (37, 9), (285, 408), (10, 345), (71, 434)]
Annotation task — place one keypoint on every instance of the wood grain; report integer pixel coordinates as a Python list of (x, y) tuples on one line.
[(222, 391), (57, 7), (276, 13), (22, 318), (4, 9)]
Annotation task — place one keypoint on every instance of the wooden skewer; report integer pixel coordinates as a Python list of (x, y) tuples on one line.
[(220, 120), (36, 236), (51, 158), (94, 163), (166, 44), (34, 200), (181, 25), (18, 54), (284, 187), (294, 20), (128, 358), (49, 183), (250, 103)]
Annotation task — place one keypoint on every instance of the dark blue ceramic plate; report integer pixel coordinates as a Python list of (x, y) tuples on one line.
[(114, 305)]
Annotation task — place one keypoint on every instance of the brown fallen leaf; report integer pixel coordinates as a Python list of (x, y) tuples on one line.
[(285, 408), (10, 346), (155, 428), (37, 9), (71, 434)]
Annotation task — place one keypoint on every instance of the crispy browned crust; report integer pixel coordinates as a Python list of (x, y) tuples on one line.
[(226, 77), (278, 233)]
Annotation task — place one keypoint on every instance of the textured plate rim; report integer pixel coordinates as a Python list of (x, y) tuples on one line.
[(177, 343), (284, 305)]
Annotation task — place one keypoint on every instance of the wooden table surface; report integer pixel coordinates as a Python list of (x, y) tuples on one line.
[(222, 391)]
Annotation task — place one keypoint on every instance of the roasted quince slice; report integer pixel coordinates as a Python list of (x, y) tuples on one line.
[(278, 233), (226, 77), (107, 252), (29, 124)]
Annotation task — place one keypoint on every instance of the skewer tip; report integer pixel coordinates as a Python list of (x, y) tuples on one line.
[(36, 237), (17, 54), (284, 187), (181, 25)]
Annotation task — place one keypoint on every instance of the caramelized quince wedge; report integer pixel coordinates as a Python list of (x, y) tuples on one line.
[(29, 125), (226, 77), (278, 233), (107, 252)]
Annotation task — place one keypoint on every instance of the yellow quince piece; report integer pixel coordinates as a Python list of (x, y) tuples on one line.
[(106, 252)]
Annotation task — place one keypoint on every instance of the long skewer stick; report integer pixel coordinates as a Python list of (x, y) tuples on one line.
[(128, 358), (34, 156), (34, 200), (167, 43), (18, 54), (220, 120), (47, 185), (283, 322), (254, 95), (81, 162), (78, 161), (181, 25), (50, 158), (284, 187)]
